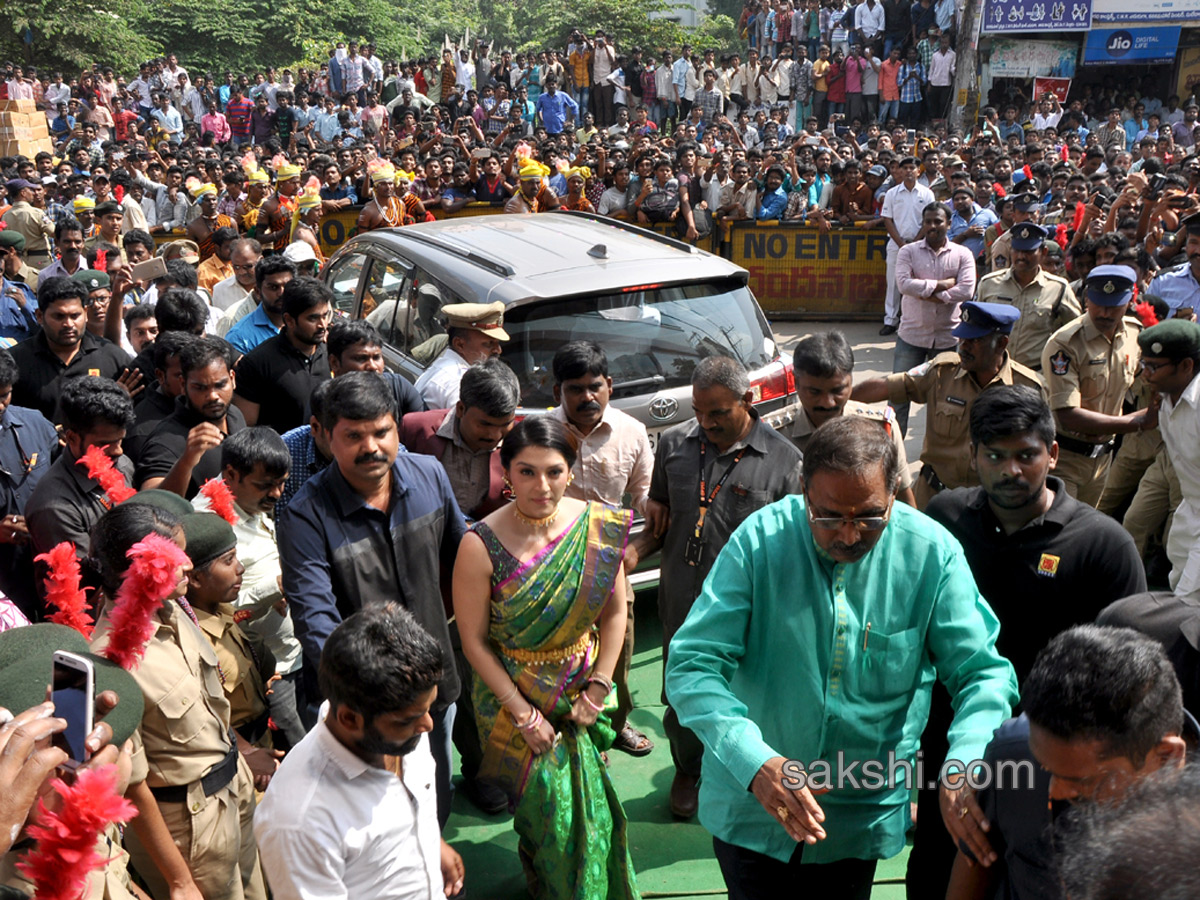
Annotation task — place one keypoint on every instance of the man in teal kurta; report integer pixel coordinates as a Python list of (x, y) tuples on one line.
[(819, 633)]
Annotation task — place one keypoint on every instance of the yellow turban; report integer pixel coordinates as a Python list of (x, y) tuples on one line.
[(197, 189), (531, 170), (582, 171), (287, 171), (257, 176), (83, 203), (381, 170)]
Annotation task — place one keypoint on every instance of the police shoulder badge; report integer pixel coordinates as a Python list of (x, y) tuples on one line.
[(1060, 363)]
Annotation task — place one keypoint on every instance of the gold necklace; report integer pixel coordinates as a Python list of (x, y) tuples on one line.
[(544, 522)]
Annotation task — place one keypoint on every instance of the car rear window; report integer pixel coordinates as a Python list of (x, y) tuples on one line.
[(653, 336)]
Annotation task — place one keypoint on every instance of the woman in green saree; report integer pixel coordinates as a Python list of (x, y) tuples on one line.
[(540, 601)]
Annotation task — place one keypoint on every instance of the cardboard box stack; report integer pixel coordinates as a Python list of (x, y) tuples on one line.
[(24, 130)]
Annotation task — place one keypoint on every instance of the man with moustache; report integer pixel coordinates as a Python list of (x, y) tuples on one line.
[(949, 384), (887, 605), (613, 466), (352, 811), (376, 523), (184, 451), (1089, 365), (1026, 540), (710, 473)]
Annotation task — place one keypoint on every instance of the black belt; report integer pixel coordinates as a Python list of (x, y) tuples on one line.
[(37, 253), (1084, 448), (218, 777), (931, 478), (254, 729)]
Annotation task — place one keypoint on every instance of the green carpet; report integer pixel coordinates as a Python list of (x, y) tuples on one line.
[(672, 859)]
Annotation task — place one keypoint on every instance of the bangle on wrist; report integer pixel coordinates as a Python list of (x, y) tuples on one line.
[(596, 707), (503, 701)]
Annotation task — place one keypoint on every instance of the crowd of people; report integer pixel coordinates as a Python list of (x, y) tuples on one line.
[(378, 571)]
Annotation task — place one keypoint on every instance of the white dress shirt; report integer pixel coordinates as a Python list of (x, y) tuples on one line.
[(438, 385), (906, 208), (333, 827), (614, 460), (1179, 424), (227, 293)]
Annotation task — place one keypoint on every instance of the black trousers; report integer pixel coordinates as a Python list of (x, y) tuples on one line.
[(750, 875), (933, 850)]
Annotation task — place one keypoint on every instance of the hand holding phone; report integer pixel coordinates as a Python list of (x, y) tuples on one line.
[(73, 692)]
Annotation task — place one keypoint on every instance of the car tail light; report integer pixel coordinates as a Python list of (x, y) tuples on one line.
[(776, 381)]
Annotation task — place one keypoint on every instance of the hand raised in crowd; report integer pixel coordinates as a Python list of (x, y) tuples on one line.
[(131, 380), (27, 760), (203, 438)]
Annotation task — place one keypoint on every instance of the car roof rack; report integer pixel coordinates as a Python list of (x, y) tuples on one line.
[(631, 228), (450, 245)]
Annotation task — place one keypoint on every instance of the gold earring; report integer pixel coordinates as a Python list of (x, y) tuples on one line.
[(570, 478), (507, 483)]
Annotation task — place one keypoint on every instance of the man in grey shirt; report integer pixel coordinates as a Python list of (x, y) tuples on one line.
[(709, 475)]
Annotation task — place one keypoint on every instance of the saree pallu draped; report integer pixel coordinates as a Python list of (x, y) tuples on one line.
[(573, 832)]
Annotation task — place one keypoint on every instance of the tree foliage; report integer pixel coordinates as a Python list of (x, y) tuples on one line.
[(248, 35)]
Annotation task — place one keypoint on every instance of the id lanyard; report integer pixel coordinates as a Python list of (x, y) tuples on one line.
[(706, 499)]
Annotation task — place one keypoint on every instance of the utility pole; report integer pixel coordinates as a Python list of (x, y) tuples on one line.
[(964, 105)]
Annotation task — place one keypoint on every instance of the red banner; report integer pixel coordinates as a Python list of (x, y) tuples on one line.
[(1059, 87)]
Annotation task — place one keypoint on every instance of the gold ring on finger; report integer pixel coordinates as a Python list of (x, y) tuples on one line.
[(962, 813), (783, 813)]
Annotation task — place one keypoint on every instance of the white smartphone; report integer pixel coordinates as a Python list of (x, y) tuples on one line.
[(149, 270), (73, 691)]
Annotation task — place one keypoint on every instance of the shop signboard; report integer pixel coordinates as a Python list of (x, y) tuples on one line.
[(1122, 46), (1012, 58), (1000, 16), (1129, 12)]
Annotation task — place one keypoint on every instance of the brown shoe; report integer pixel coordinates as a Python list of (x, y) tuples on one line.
[(633, 742), (685, 796)]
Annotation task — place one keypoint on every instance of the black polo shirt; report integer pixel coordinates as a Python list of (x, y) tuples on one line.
[(150, 410), (1172, 621), (1060, 570), (168, 441), (43, 373), (280, 379)]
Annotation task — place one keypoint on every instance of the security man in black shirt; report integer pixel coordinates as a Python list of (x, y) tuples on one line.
[(63, 349), (1042, 559)]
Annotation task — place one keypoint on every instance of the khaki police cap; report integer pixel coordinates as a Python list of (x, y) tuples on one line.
[(485, 317)]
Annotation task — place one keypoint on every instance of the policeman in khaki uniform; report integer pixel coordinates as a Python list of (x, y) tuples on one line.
[(213, 584), (1026, 209), (1088, 366), (824, 366), (948, 384), (187, 755), (1046, 301), (474, 332)]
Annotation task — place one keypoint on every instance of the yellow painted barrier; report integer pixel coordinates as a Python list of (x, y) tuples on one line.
[(796, 271)]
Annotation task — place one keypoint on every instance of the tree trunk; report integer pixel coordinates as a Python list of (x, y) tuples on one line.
[(966, 73)]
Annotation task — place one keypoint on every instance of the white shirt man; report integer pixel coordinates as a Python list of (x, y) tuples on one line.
[(868, 18), (333, 826), (438, 385), (903, 206)]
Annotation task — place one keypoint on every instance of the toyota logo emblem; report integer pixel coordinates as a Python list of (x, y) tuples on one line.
[(664, 408)]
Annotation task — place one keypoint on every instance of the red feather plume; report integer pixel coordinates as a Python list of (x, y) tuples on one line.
[(1145, 311), (150, 580), (104, 472), (1064, 153), (1077, 219), (101, 261), (3, 225), (66, 839), (1060, 235), (220, 499), (63, 591), (119, 193), (1028, 173)]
